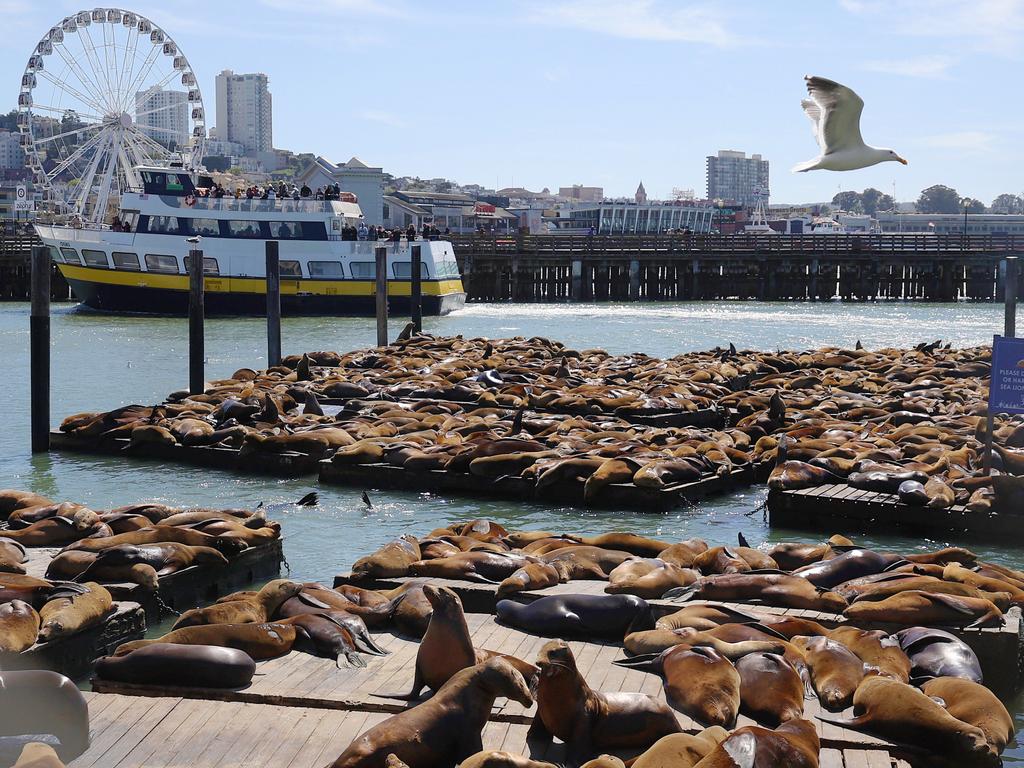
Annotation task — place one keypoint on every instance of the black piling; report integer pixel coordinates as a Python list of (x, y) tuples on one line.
[(1010, 308), (381, 293), (416, 289), (273, 304), (39, 346), (196, 319)]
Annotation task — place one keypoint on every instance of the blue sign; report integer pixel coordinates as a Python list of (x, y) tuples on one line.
[(1006, 388)]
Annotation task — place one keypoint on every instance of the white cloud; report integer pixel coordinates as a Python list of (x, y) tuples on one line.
[(936, 66), (640, 20), (962, 141), (384, 118)]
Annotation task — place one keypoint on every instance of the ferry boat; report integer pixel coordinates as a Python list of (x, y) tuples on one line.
[(141, 264)]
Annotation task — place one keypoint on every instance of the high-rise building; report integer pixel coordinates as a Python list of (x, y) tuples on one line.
[(163, 116), (737, 178), (12, 156), (581, 193), (245, 111)]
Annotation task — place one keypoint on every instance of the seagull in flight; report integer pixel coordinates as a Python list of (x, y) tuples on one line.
[(834, 111)]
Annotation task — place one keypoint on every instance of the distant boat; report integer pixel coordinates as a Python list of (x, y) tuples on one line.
[(142, 267)]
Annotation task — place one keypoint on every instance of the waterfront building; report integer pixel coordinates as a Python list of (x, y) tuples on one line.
[(582, 194), (12, 156), (641, 194), (733, 176), (245, 110), (366, 182), (627, 217), (223, 148), (458, 213), (951, 223), (163, 116)]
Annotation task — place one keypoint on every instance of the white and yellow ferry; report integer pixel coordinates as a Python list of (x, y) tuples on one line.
[(141, 266)]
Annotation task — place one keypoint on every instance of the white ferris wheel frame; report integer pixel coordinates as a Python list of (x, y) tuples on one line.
[(105, 80)]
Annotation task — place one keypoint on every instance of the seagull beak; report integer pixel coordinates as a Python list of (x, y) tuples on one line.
[(900, 159)]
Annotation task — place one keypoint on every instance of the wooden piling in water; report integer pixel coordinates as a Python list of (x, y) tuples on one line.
[(196, 341), (1010, 308), (273, 303), (416, 289), (381, 293), (39, 346)]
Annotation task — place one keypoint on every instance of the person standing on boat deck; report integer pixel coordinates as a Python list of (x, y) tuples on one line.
[(270, 194), (410, 233), (362, 231), (295, 192), (337, 191), (305, 191), (371, 233)]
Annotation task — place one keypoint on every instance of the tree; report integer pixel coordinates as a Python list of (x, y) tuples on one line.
[(973, 206), (847, 201), (939, 199), (872, 201), (1007, 203)]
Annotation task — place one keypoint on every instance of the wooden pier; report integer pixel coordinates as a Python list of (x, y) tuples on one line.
[(688, 267), (15, 270), (835, 507)]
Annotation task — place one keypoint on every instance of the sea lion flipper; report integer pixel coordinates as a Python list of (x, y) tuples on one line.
[(742, 540), (680, 594), (347, 659), (305, 598), (309, 500), (643, 661), (480, 579)]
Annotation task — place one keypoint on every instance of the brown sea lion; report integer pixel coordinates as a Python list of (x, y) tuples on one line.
[(488, 567), (391, 560), (255, 610), (836, 671), (915, 607), (494, 759), (623, 541), (12, 555), (446, 646), (956, 572), (260, 641), (976, 705), (720, 560), (793, 475), (779, 589), (681, 750), (443, 730), (900, 712), (771, 691), (708, 617), (12, 499), (648, 577), (531, 576), (36, 754), (19, 626), (880, 652), (587, 720), (654, 641), (794, 744), (158, 534), (585, 561), (59, 531), (682, 553), (64, 616), (700, 682)]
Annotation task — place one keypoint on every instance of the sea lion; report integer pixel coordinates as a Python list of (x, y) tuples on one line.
[(64, 616), (681, 750), (900, 712), (698, 680), (937, 653), (19, 626), (331, 634), (494, 759), (654, 641), (531, 576), (42, 702), (35, 592), (794, 744), (12, 499), (956, 572), (774, 588), (879, 651), (487, 567), (916, 607), (974, 704), (36, 754), (255, 610), (707, 617), (446, 646), (204, 666), (443, 730), (771, 690), (12, 555), (682, 553), (585, 561), (720, 560), (74, 564), (623, 541), (391, 560), (793, 475), (648, 577), (590, 616), (836, 671), (59, 531), (846, 566), (159, 534), (587, 720), (259, 641)]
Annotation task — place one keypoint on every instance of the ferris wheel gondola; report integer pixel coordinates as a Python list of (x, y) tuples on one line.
[(106, 91)]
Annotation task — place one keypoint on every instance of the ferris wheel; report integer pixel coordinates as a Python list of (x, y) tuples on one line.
[(105, 91)]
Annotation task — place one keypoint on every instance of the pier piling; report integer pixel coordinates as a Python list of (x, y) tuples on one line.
[(381, 294), (273, 304), (196, 318), (1010, 309), (39, 344), (416, 289)]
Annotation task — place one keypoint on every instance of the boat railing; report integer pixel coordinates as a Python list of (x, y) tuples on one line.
[(251, 205)]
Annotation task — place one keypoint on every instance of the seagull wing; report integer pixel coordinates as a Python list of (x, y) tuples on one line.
[(813, 112), (839, 124)]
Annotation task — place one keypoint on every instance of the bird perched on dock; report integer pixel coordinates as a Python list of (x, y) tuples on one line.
[(194, 239), (835, 111)]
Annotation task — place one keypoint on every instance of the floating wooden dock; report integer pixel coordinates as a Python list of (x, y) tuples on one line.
[(841, 507), (302, 680), (171, 731), (1000, 649)]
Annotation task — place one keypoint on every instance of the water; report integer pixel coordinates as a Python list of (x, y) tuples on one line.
[(99, 362)]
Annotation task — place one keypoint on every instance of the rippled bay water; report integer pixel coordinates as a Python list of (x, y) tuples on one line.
[(99, 362)]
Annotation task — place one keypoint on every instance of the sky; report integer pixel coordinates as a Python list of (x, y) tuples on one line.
[(548, 93)]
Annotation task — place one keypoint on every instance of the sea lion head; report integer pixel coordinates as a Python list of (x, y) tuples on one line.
[(277, 591), (393, 760), (832, 601), (443, 600), (208, 556), (499, 677), (556, 658)]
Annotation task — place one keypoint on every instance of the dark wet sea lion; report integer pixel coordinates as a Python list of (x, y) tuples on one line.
[(205, 666), (260, 641), (587, 720), (254, 610), (794, 744), (915, 607), (43, 702), (324, 635), (443, 730), (19, 626), (793, 475), (846, 566), (606, 616), (447, 648), (771, 691), (937, 653), (836, 671), (975, 704)]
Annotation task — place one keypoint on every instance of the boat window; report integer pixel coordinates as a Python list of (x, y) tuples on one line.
[(158, 263), (326, 269), (403, 270), (70, 256), (286, 230), (290, 268), (244, 228), (164, 225), (364, 269), (126, 260), (205, 227), (95, 258), (210, 266), (314, 230)]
